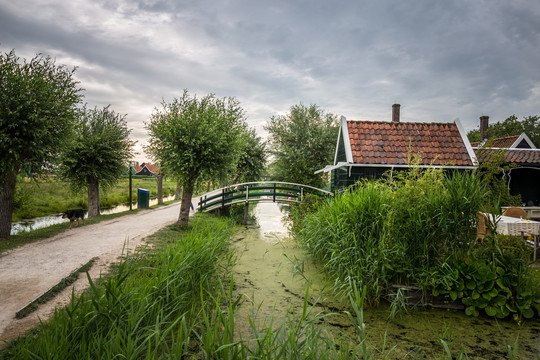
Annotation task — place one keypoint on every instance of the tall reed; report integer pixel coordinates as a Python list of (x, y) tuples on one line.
[(433, 215), (147, 308), (348, 234), (392, 230)]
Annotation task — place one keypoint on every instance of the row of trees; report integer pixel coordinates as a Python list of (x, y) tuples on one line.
[(43, 127), (195, 140)]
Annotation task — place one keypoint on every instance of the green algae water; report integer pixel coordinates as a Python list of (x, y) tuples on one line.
[(273, 271)]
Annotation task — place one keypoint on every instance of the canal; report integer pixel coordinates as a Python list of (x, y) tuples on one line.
[(273, 271)]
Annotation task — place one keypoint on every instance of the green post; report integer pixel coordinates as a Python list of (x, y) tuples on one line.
[(130, 192)]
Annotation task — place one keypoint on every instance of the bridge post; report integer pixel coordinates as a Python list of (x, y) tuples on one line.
[(222, 198), (246, 207), (274, 196)]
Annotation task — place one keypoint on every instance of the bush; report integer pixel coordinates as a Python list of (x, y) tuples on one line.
[(494, 279)]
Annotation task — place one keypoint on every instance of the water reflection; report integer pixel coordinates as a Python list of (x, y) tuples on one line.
[(44, 221), (265, 274)]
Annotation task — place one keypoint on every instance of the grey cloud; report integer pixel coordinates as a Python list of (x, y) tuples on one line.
[(440, 59)]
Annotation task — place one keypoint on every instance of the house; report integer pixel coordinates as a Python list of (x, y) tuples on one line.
[(146, 170), (519, 151), (368, 149)]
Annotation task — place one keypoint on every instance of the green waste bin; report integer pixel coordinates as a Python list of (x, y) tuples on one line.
[(143, 198)]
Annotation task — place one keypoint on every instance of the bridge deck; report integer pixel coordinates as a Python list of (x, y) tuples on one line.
[(267, 191)]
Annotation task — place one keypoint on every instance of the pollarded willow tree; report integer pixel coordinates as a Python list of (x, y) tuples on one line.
[(98, 154), (196, 140), (38, 105)]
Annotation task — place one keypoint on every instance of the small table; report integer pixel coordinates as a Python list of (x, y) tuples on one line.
[(514, 226)]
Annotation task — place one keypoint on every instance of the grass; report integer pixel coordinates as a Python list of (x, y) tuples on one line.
[(174, 300), (402, 230), (45, 197), (148, 308)]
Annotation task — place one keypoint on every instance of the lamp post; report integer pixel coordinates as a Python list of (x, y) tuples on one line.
[(130, 192)]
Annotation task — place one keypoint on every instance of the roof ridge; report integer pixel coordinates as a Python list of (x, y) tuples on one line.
[(400, 122)]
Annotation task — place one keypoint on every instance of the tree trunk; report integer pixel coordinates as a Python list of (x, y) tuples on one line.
[(178, 190), (160, 189), (7, 192), (185, 205), (93, 196)]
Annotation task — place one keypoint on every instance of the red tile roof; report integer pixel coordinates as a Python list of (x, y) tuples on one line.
[(504, 142), (153, 169), (512, 155), (382, 142)]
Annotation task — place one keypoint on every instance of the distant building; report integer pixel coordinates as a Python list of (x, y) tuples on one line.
[(145, 169)]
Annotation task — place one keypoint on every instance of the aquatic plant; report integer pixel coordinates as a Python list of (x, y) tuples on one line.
[(494, 279), (348, 235)]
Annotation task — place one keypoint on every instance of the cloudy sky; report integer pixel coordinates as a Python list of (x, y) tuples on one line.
[(439, 59)]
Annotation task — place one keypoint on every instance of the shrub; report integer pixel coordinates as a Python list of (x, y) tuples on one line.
[(495, 279)]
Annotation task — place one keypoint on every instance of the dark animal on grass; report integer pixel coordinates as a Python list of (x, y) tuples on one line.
[(73, 215)]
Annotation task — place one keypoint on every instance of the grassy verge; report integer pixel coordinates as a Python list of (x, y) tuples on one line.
[(170, 302), (28, 237), (147, 309), (45, 197)]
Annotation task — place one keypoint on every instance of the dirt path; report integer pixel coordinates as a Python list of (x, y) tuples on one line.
[(29, 271)]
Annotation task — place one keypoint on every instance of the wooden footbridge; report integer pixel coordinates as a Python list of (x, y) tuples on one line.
[(265, 191)]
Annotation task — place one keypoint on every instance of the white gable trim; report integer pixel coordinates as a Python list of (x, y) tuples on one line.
[(522, 137), (338, 137), (346, 140), (466, 141)]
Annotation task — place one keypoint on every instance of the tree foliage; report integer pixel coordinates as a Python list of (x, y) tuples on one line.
[(511, 126), (196, 140), (252, 158), (492, 169), (302, 142), (38, 105), (98, 153)]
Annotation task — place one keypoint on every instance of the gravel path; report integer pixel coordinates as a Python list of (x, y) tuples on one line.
[(29, 271)]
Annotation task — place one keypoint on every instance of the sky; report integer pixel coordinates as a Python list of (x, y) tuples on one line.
[(441, 60)]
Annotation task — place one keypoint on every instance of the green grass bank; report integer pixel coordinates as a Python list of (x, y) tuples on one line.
[(45, 197)]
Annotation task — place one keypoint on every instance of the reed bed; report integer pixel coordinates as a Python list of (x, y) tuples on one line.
[(392, 230)]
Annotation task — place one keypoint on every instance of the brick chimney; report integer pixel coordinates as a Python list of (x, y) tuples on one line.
[(484, 122), (395, 113)]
